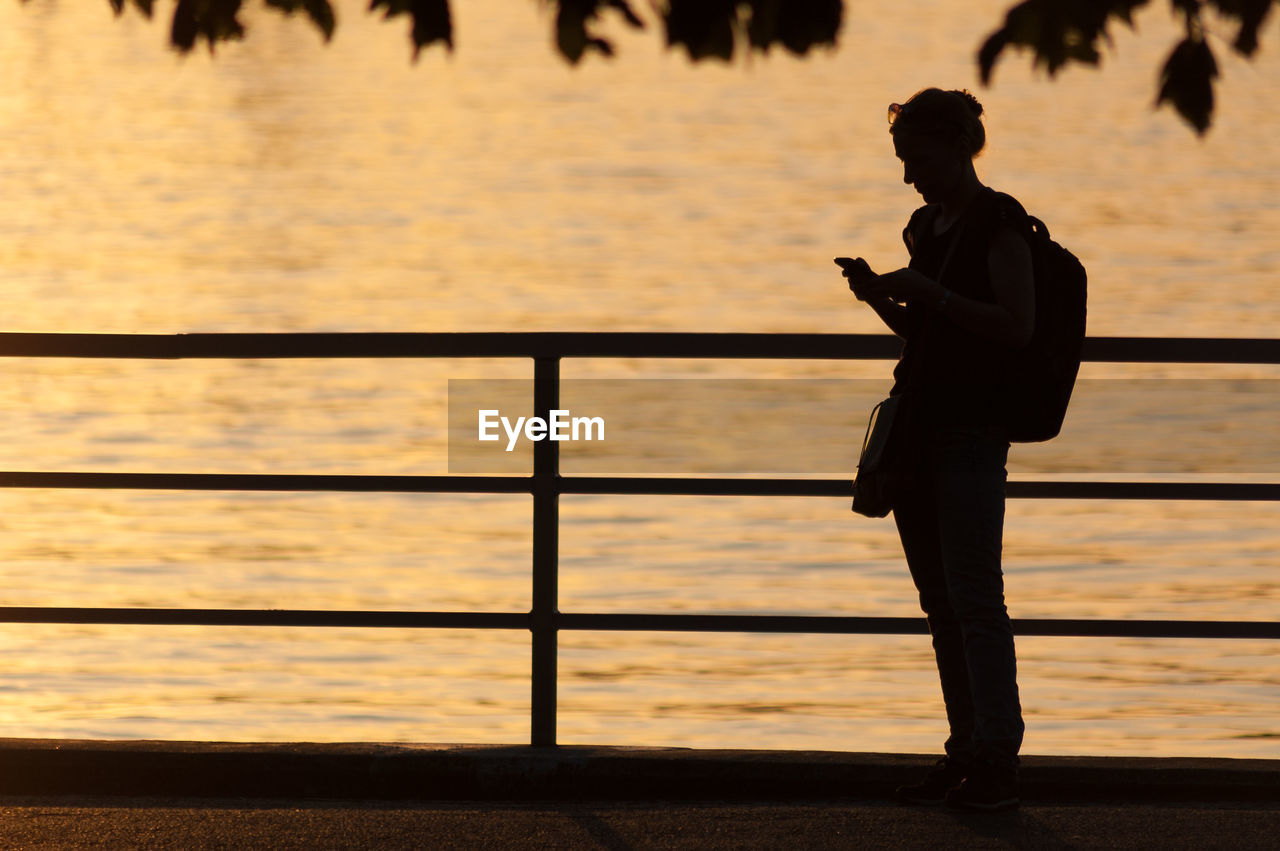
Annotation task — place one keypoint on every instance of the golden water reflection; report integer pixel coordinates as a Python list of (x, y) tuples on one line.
[(287, 185)]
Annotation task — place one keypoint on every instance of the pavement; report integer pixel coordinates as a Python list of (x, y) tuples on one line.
[(195, 795)]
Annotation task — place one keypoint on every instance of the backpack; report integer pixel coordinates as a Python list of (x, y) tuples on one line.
[(1043, 374)]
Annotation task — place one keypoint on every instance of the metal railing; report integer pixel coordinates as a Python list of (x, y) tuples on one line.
[(545, 485)]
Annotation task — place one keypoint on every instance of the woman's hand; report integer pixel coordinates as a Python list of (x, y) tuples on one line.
[(859, 275), (902, 286), (871, 288)]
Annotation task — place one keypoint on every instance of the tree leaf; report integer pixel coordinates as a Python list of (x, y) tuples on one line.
[(321, 14), (432, 20), (990, 52), (1251, 14), (574, 39), (571, 30), (704, 28), (319, 11), (1057, 31), (798, 25), (210, 20), (624, 9), (1187, 82), (143, 6)]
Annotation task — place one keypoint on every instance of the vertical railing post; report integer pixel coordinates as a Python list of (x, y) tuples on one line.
[(546, 556)]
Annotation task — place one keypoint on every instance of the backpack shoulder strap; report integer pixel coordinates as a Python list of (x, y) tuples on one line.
[(1007, 210)]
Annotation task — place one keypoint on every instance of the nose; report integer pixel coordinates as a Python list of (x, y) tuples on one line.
[(908, 177)]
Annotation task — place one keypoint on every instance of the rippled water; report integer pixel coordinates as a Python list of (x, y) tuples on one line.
[(286, 185)]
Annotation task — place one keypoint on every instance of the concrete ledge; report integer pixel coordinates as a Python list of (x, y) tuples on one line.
[(507, 772)]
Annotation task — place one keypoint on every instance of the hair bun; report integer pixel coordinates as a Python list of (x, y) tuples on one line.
[(970, 101), (952, 116)]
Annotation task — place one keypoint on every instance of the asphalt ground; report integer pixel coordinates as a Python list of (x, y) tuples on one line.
[(366, 771), (197, 795), (192, 824)]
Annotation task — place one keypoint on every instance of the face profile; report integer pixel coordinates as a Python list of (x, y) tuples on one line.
[(933, 167), (936, 135)]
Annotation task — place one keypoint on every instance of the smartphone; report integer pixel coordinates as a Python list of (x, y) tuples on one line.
[(854, 266)]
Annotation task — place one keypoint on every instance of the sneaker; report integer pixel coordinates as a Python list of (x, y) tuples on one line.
[(945, 775), (986, 789)]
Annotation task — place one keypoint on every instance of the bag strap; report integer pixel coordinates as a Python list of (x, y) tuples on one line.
[(961, 225), (951, 250)]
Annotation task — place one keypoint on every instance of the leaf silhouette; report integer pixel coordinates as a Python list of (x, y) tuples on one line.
[(319, 11), (432, 20), (797, 25), (574, 39), (143, 6), (704, 28), (1057, 32), (1251, 14), (1187, 82), (211, 20)]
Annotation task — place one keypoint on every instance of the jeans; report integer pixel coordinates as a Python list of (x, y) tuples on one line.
[(952, 526)]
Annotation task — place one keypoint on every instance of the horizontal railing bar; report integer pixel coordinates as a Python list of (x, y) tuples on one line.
[(533, 344), (267, 482), (677, 486), (1094, 628), (1181, 350), (623, 622), (1209, 491), (264, 617), (815, 624), (670, 486), (1239, 491)]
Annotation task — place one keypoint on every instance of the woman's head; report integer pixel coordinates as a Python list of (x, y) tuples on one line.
[(937, 134), (952, 118)]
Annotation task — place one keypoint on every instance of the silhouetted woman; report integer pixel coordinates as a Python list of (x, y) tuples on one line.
[(962, 325)]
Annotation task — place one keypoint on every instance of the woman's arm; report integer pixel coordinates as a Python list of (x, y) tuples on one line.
[(893, 315), (1012, 278), (1010, 320)]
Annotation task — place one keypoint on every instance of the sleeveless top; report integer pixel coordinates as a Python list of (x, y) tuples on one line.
[(955, 376)]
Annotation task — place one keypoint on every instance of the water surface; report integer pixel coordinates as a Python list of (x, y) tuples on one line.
[(288, 186)]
